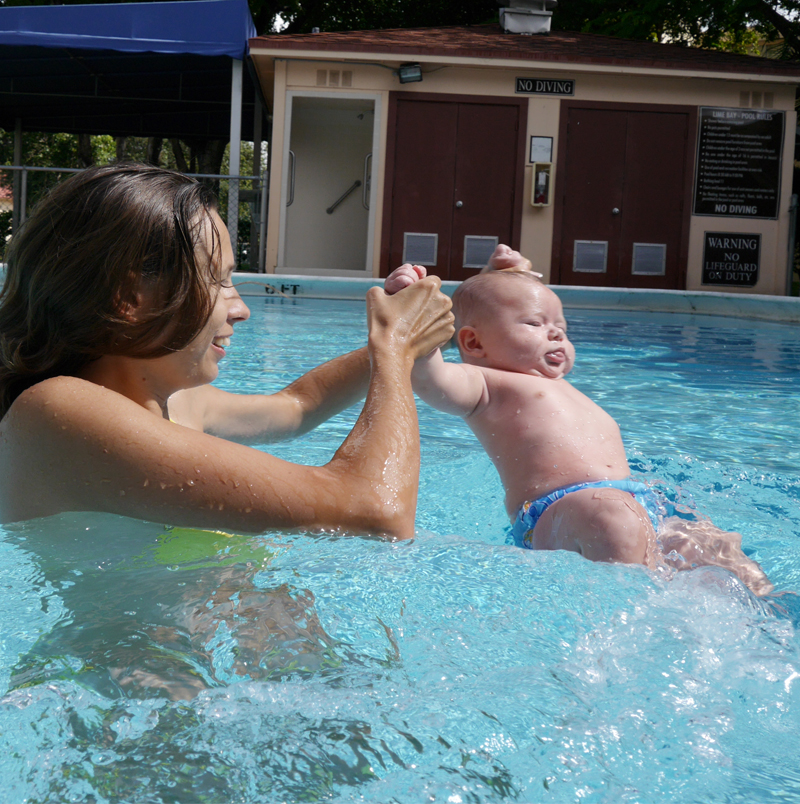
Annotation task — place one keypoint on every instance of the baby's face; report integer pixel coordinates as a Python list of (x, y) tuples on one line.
[(525, 331)]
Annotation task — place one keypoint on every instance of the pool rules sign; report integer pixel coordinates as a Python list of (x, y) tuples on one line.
[(738, 170), (731, 259)]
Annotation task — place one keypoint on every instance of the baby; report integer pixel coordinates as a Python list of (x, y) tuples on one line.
[(560, 456)]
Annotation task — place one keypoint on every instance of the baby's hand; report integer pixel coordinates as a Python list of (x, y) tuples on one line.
[(506, 259), (402, 277), (419, 320)]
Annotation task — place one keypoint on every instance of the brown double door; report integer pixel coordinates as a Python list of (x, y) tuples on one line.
[(454, 176), (622, 218)]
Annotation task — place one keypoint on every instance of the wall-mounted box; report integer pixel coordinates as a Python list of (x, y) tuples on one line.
[(542, 184)]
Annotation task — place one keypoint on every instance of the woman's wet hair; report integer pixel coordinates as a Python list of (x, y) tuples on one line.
[(80, 266)]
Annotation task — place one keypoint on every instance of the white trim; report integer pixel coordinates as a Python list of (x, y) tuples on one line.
[(534, 66)]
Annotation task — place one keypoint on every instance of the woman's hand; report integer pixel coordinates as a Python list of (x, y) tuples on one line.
[(418, 319)]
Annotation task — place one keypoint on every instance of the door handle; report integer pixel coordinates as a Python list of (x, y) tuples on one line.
[(367, 181), (459, 204), (293, 159), (615, 211)]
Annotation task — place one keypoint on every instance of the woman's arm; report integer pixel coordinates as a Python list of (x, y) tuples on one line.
[(307, 402), (69, 444)]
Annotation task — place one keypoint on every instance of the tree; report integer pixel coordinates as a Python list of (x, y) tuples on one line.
[(723, 24), (300, 16)]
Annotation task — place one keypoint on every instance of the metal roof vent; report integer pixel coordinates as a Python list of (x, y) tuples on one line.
[(527, 16)]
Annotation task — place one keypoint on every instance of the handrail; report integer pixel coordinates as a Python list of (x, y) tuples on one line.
[(332, 207)]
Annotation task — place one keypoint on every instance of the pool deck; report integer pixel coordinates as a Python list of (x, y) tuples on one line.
[(781, 309)]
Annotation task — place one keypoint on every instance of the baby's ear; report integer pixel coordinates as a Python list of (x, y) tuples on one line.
[(469, 342)]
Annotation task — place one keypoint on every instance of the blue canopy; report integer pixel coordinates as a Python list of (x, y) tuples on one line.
[(140, 69), (203, 27)]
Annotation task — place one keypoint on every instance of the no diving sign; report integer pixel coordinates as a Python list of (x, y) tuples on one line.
[(545, 86), (731, 259)]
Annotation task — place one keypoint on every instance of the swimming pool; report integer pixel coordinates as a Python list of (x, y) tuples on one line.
[(141, 663)]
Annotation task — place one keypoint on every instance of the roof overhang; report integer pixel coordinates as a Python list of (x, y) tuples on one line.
[(145, 69), (488, 47)]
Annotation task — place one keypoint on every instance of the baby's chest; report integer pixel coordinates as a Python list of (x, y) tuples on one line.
[(536, 395), (552, 404)]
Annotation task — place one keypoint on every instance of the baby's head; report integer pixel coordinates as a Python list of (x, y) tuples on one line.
[(509, 320)]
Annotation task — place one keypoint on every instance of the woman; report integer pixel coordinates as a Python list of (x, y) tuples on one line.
[(117, 308)]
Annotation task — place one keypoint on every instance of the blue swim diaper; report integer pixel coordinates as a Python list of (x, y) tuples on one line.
[(530, 512)]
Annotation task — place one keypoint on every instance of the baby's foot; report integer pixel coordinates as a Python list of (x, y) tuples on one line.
[(688, 544)]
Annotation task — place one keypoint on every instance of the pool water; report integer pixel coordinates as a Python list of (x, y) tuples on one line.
[(142, 663)]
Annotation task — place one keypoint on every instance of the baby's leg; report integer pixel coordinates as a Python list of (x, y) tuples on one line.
[(700, 543), (602, 524)]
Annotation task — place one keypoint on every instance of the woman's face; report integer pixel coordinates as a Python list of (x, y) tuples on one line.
[(198, 362)]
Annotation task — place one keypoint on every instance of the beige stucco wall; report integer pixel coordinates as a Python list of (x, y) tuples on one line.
[(594, 83)]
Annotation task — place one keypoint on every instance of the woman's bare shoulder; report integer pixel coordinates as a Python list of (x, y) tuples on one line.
[(42, 444), (63, 396)]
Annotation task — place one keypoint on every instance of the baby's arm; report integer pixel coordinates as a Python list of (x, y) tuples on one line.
[(456, 388)]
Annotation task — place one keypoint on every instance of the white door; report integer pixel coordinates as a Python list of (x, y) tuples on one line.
[(327, 227)]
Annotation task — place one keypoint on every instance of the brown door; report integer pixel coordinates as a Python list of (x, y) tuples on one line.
[(623, 214), (453, 182)]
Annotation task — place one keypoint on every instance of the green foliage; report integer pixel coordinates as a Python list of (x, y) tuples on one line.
[(724, 24), (344, 15)]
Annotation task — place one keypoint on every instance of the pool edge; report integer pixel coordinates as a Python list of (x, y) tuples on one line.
[(782, 309)]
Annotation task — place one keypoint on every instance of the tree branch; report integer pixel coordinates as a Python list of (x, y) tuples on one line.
[(786, 28)]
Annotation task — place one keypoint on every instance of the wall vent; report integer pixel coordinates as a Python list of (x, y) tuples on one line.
[(477, 250), (420, 248), (334, 78), (649, 259), (758, 100), (590, 256)]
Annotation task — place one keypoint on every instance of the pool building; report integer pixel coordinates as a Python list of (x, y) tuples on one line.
[(608, 162)]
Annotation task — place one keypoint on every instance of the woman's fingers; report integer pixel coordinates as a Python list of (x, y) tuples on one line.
[(420, 316)]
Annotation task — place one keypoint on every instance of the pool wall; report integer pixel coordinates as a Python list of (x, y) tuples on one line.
[(734, 305), (783, 309)]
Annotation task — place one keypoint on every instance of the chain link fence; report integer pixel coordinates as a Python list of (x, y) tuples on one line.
[(242, 201)]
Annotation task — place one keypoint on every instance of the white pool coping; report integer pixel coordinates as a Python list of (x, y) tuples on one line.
[(782, 309)]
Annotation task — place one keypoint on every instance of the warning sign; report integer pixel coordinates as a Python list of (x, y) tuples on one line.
[(731, 259)]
